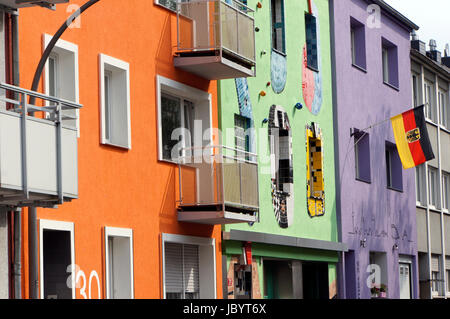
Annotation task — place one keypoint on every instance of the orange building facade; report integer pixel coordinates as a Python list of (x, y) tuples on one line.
[(117, 61)]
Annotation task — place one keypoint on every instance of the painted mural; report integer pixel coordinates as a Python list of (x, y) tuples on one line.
[(245, 109), (278, 71), (280, 138), (315, 188), (311, 79)]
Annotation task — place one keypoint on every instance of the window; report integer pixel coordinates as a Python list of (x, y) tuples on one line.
[(182, 271), (57, 259), (358, 43), (169, 4), (420, 185), (390, 63), (415, 87), (241, 136), (393, 168), (184, 119), (433, 187), (278, 29), (311, 42), (61, 77), (445, 190), (448, 280), (119, 263), (443, 107), (176, 113), (435, 274), (189, 267), (430, 107), (115, 102), (447, 271), (362, 156)]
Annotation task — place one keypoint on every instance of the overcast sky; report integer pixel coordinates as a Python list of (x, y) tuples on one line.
[(432, 16)]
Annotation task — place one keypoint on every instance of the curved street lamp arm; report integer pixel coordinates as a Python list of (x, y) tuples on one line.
[(52, 43)]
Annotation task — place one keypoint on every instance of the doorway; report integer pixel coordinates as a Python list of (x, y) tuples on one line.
[(315, 281), (405, 280)]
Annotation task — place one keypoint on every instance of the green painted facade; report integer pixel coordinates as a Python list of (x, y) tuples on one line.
[(324, 227), (303, 226)]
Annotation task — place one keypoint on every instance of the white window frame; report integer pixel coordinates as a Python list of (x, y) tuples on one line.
[(70, 47), (430, 108), (443, 104), (445, 192), (123, 66), (118, 232), (191, 240), (385, 58), (60, 226), (420, 187), (176, 89), (433, 191)]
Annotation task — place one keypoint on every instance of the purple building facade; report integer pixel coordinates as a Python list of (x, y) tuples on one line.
[(376, 196)]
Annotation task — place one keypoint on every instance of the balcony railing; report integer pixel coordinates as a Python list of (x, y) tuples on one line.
[(218, 35), (38, 150), (21, 4), (218, 185)]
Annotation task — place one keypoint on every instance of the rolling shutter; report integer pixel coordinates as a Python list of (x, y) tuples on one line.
[(191, 272), (447, 263), (435, 263), (181, 270), (174, 268)]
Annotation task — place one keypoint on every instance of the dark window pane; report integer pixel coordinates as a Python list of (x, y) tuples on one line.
[(170, 120)]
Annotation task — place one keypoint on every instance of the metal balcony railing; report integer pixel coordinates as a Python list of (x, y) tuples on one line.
[(219, 175), (222, 25), (38, 158)]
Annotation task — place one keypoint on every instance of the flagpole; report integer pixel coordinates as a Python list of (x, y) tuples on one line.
[(364, 131), (379, 123)]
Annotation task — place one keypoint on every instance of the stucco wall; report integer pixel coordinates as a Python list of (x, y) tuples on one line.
[(324, 227), (371, 211)]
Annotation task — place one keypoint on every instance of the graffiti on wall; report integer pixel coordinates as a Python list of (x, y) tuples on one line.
[(368, 227), (312, 79), (315, 186), (281, 159)]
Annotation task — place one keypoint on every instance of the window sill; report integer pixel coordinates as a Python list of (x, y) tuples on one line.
[(430, 121), (363, 181), (279, 52), (162, 160), (312, 69), (443, 128), (395, 189), (391, 86), (360, 68), (124, 147)]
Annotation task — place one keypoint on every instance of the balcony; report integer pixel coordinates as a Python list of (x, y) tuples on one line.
[(215, 39), (218, 185), (38, 150), (16, 4)]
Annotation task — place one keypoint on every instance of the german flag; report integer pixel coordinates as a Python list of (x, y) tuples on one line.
[(411, 136)]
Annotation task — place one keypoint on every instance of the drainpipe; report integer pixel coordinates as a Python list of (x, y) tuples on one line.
[(18, 254), (32, 254), (341, 280), (18, 211)]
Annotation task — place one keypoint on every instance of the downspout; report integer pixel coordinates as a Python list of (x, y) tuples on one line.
[(32, 216), (341, 280), (18, 212), (18, 253)]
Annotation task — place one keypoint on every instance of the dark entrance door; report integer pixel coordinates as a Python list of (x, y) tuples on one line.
[(315, 281)]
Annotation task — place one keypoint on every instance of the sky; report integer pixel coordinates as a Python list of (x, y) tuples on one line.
[(432, 16)]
